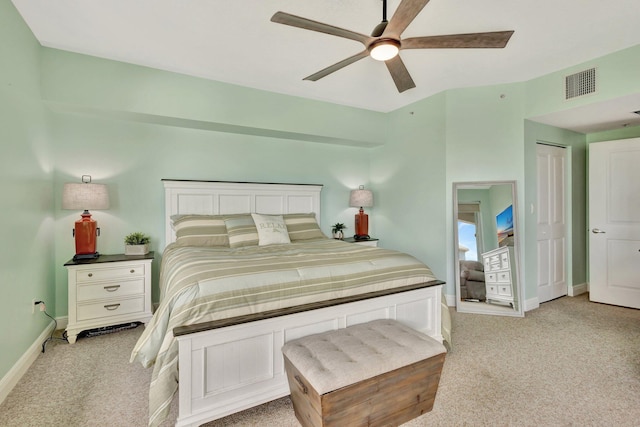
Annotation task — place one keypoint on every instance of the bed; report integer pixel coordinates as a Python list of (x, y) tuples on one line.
[(227, 306)]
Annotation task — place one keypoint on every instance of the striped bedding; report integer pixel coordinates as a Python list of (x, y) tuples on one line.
[(200, 284)]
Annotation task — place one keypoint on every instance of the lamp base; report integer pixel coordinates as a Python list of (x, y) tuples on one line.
[(85, 233), (80, 257), (361, 237), (362, 224)]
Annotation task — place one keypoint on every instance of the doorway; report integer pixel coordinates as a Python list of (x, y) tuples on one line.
[(552, 221)]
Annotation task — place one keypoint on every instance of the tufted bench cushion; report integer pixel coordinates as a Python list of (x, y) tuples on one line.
[(376, 373)]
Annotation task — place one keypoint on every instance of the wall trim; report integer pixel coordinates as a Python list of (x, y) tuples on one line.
[(580, 289), (62, 322), (9, 381), (451, 300), (531, 304)]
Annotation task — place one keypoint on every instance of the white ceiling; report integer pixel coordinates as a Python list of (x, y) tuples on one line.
[(233, 41)]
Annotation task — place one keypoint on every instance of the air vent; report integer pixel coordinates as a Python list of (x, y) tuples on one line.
[(580, 84)]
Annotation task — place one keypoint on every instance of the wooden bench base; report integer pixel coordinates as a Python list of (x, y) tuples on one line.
[(388, 399)]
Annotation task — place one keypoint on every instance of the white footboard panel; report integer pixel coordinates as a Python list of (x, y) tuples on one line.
[(227, 370)]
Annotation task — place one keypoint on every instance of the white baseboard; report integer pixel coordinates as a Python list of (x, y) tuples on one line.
[(62, 322), (573, 291), (451, 300), (531, 304), (576, 290), (9, 381)]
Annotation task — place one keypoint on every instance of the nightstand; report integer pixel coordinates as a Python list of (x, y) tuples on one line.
[(108, 290), (369, 242)]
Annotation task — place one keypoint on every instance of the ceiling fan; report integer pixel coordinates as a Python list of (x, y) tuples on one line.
[(384, 43)]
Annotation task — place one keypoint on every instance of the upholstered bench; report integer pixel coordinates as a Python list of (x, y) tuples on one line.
[(378, 373)]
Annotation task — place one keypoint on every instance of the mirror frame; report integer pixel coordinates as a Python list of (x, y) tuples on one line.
[(474, 307)]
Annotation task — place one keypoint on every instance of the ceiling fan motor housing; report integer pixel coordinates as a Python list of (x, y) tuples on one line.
[(379, 29)]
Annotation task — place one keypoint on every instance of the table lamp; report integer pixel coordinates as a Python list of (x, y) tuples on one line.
[(363, 199), (85, 196)]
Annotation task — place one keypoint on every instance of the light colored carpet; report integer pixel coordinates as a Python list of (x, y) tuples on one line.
[(568, 363)]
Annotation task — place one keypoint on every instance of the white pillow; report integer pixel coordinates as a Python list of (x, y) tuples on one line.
[(271, 229)]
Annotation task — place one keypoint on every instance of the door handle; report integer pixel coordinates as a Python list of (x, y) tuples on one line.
[(597, 231)]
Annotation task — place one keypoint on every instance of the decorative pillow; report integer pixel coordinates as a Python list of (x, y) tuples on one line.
[(271, 229), (303, 226), (200, 230), (241, 230)]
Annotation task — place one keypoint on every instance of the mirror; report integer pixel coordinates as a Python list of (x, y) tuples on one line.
[(486, 234)]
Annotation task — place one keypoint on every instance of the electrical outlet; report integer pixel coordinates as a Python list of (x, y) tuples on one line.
[(37, 303)]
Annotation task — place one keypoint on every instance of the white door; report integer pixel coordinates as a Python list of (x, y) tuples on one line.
[(552, 222), (614, 222)]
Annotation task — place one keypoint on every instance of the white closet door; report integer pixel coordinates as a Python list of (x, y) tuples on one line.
[(552, 222)]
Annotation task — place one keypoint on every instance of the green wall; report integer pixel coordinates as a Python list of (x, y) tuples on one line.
[(408, 178), (130, 126), (484, 135), (611, 135), (616, 75), (26, 252), (132, 158), (81, 83)]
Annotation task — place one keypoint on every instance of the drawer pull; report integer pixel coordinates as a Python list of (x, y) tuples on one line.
[(90, 274), (132, 271), (112, 288), (301, 384), (112, 307)]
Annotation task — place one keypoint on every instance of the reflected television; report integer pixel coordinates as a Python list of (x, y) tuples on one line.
[(504, 224)]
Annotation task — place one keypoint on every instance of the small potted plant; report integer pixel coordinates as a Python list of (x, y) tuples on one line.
[(336, 229), (136, 244)]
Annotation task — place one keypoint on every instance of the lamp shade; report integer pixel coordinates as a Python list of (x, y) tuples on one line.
[(85, 196), (361, 198)]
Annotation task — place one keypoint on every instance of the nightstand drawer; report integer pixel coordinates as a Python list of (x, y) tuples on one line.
[(115, 272), (110, 290), (116, 307)]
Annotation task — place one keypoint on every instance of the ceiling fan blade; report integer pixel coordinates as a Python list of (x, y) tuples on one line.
[(400, 74), (496, 39), (335, 67), (403, 16), (308, 24)]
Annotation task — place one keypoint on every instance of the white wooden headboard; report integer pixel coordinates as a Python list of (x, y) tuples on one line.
[(219, 198)]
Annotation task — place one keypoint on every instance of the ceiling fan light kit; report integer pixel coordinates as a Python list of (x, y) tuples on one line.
[(384, 49), (385, 41)]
